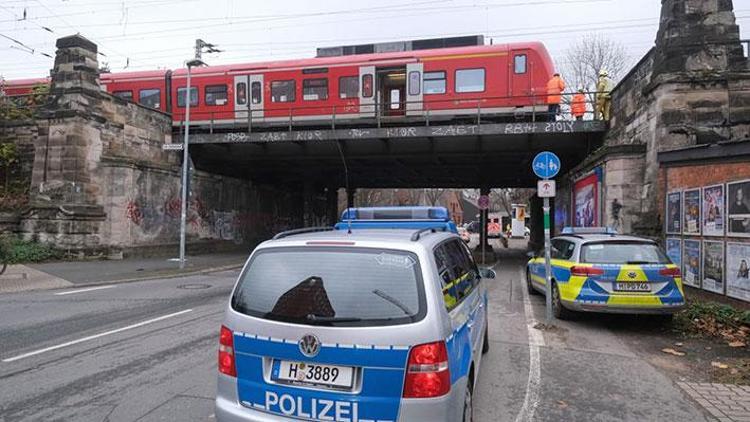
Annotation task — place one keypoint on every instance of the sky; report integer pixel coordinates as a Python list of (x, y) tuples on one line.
[(152, 34)]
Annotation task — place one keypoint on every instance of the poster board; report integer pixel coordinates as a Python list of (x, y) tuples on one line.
[(738, 270), (691, 262), (713, 217), (713, 266)]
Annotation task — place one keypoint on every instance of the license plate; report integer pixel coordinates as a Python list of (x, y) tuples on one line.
[(313, 373), (633, 287)]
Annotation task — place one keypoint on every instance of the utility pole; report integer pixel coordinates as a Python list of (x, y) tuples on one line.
[(200, 47)]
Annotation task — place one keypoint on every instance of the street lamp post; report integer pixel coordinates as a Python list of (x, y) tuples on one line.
[(185, 159)]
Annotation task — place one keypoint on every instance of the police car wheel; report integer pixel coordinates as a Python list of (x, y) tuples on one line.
[(557, 307), (468, 406), (529, 287)]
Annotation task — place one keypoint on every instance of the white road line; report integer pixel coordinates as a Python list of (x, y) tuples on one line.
[(90, 289), (95, 336), (536, 341)]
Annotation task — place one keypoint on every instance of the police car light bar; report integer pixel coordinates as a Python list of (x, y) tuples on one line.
[(589, 230), (396, 213)]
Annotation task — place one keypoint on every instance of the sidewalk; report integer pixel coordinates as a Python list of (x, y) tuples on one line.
[(62, 274)]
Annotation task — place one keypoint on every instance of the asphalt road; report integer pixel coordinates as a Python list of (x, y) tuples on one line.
[(146, 351)]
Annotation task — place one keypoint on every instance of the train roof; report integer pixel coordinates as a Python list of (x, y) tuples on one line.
[(29, 82)]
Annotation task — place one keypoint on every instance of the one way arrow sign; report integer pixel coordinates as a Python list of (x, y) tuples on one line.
[(546, 188)]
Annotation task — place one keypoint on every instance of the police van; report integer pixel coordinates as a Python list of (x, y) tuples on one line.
[(354, 324)]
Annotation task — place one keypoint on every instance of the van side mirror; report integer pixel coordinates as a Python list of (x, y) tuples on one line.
[(487, 273), (531, 254)]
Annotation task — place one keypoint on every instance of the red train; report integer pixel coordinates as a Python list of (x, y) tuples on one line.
[(493, 80)]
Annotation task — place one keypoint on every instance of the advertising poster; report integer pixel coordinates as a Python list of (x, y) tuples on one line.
[(586, 202), (713, 210), (738, 208), (674, 250), (562, 213), (674, 213), (692, 212), (738, 271), (691, 263), (713, 266)]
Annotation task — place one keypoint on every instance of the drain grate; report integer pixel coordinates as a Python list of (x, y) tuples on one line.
[(195, 286)]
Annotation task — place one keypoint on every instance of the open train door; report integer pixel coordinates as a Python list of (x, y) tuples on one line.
[(257, 100), (367, 91), (520, 78), (414, 98)]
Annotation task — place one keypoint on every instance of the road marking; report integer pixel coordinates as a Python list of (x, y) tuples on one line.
[(95, 336), (536, 341), (90, 289)]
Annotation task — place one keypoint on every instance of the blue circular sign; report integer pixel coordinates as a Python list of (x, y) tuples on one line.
[(546, 165)]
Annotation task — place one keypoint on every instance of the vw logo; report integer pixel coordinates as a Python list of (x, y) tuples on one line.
[(309, 345), (632, 274)]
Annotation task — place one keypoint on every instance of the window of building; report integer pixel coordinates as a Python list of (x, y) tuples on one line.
[(414, 83), (315, 89), (348, 87), (181, 96), (470, 80), (434, 82), (257, 93), (282, 91), (367, 90), (216, 95), (519, 64), (150, 98), (241, 93), (125, 95)]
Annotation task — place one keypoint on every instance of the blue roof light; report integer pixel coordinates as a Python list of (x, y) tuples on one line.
[(589, 230), (397, 218)]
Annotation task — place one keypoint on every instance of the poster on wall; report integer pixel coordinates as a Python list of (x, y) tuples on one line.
[(586, 202), (713, 210), (562, 212), (691, 224), (738, 208), (674, 250), (691, 263), (674, 213), (738, 271), (713, 266)]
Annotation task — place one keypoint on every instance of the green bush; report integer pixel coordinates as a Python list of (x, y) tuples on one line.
[(14, 250), (721, 313)]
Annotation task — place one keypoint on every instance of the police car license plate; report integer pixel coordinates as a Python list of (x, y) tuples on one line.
[(633, 287), (331, 375)]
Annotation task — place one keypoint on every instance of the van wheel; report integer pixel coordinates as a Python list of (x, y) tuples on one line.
[(532, 291), (486, 344), (468, 405), (557, 307)]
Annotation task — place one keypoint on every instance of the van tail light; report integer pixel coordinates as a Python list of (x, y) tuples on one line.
[(584, 271), (670, 272), (427, 373), (226, 352)]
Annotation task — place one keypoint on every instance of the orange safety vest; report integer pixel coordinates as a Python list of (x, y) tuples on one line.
[(578, 106), (555, 87)]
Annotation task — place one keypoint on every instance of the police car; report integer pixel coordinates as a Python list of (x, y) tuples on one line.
[(354, 324), (597, 270)]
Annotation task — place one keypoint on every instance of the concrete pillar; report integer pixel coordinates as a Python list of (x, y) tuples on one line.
[(332, 204)]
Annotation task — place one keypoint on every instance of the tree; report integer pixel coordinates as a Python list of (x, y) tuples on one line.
[(590, 55), (8, 157), (433, 196)]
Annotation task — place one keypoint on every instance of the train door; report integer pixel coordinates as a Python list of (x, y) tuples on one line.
[(414, 89), (240, 97), (367, 91), (520, 77), (391, 91), (257, 100)]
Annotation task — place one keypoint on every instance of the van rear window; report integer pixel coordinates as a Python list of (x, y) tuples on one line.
[(332, 286)]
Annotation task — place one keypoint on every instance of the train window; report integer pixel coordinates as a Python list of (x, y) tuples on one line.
[(216, 95), (414, 82), (242, 93), (367, 86), (282, 91), (470, 80), (125, 95), (181, 96), (434, 82), (150, 98), (519, 63), (256, 93), (348, 87), (315, 89)]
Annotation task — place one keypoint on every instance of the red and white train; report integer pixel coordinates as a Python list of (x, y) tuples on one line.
[(491, 80)]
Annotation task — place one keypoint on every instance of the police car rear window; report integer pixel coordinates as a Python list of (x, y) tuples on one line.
[(332, 286), (623, 253)]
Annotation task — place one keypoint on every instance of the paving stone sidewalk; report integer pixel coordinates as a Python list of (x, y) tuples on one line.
[(726, 402)]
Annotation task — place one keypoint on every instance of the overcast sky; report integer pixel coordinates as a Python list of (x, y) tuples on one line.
[(149, 34)]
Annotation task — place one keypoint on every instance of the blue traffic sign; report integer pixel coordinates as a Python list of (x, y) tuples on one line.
[(546, 165)]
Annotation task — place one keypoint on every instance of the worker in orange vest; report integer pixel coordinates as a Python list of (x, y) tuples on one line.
[(555, 87), (578, 106)]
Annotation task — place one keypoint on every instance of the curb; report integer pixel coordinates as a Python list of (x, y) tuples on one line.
[(167, 275)]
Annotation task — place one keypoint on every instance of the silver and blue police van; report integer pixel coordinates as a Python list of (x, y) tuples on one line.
[(354, 324)]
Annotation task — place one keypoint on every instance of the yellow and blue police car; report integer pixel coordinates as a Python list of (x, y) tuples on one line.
[(597, 270)]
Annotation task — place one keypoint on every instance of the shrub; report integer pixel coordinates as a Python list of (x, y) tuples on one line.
[(14, 250)]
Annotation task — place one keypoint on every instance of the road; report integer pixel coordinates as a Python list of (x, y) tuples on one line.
[(146, 351)]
